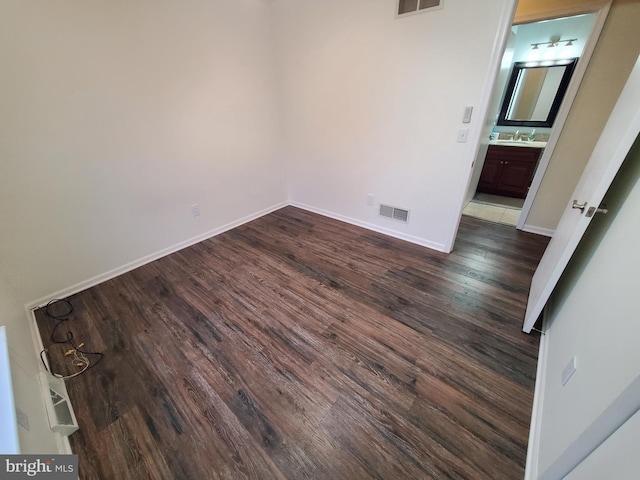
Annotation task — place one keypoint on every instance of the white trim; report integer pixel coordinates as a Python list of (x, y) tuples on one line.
[(62, 441), (64, 447), (612, 418), (533, 447), (499, 45), (563, 112), (375, 228), (103, 277), (35, 335), (547, 232)]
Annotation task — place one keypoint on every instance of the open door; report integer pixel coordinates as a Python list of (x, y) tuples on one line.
[(614, 144)]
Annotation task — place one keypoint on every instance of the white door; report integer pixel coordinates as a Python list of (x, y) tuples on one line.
[(616, 140)]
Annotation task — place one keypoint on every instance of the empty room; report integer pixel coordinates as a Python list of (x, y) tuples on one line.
[(232, 241)]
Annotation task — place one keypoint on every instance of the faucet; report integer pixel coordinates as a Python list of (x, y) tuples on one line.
[(516, 136)]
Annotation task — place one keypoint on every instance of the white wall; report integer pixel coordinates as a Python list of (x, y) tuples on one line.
[(373, 105), (594, 315), (24, 369), (116, 117)]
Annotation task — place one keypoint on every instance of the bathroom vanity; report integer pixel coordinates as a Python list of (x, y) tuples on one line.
[(509, 168)]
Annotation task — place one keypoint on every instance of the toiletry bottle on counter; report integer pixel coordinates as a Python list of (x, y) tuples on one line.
[(532, 135), (494, 135)]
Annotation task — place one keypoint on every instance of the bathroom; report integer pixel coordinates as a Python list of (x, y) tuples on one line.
[(544, 54)]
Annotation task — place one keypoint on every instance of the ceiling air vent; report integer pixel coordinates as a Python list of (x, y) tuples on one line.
[(394, 213)]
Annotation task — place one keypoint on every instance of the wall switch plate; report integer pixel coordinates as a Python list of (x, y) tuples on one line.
[(569, 370), (466, 118), (195, 210), (462, 135), (369, 199)]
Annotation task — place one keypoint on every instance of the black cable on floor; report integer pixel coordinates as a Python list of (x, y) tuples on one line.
[(61, 314)]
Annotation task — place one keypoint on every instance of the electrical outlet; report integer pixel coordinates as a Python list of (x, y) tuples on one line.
[(23, 419), (195, 210), (463, 133), (569, 370), (370, 199)]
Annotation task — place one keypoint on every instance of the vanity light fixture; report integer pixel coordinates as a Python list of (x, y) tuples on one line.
[(554, 42)]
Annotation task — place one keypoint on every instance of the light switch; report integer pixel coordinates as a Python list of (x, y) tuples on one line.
[(466, 118)]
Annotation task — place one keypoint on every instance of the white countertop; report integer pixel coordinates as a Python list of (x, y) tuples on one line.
[(520, 143), (9, 444)]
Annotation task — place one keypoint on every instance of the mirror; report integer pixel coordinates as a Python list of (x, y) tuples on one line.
[(535, 92)]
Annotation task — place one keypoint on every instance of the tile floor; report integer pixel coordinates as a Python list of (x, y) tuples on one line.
[(498, 200), (493, 213)]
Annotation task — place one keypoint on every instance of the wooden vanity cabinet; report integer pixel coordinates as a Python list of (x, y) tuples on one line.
[(508, 170)]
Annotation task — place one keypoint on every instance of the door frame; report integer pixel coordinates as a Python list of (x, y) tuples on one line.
[(563, 113), (508, 19)]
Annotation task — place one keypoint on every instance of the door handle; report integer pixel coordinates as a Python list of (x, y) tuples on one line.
[(593, 210), (579, 206)]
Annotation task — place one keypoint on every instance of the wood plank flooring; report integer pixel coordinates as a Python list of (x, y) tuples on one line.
[(300, 347)]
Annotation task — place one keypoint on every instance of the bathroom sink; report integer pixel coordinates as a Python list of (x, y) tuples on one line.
[(519, 143)]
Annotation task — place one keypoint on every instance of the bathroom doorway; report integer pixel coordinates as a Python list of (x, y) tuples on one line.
[(540, 42)]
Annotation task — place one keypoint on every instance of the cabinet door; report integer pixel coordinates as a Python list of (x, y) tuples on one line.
[(490, 175), (508, 170), (515, 177)]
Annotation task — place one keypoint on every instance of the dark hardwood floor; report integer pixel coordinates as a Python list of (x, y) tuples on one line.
[(300, 347)]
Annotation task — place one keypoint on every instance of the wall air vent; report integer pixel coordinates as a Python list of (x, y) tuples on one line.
[(394, 213), (408, 7)]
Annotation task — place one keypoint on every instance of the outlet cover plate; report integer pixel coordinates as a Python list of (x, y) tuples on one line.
[(569, 370)]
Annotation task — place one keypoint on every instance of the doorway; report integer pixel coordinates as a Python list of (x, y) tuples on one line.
[(540, 42)]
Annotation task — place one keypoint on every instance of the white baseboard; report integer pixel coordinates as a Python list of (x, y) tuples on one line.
[(103, 277), (616, 414), (64, 446), (547, 232), (376, 228), (533, 448), (62, 441)]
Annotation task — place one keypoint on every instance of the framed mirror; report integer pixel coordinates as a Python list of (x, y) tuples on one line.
[(534, 93)]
